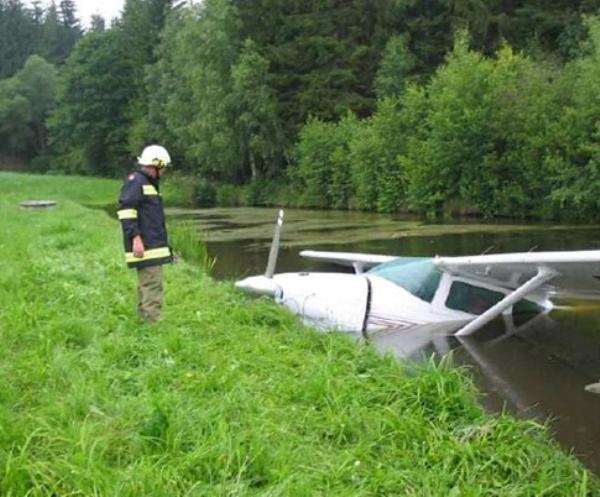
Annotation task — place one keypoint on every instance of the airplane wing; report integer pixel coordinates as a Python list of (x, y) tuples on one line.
[(358, 261), (563, 274), (577, 273)]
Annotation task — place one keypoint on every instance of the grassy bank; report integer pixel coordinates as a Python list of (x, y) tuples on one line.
[(225, 396)]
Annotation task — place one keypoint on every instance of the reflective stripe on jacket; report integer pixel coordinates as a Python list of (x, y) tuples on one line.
[(141, 213)]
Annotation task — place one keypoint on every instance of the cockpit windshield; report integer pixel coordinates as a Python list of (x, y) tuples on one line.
[(417, 275)]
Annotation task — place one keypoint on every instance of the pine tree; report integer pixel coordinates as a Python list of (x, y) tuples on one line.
[(71, 29), (17, 36), (139, 34), (97, 23)]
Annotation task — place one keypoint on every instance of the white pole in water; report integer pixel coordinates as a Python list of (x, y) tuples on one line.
[(274, 246)]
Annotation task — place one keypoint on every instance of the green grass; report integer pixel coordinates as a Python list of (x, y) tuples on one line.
[(224, 397), (184, 236)]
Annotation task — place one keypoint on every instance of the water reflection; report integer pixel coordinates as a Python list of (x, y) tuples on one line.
[(538, 370)]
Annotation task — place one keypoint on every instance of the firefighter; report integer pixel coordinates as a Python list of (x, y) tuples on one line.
[(144, 232)]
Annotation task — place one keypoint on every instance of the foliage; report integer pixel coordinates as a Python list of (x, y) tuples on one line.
[(254, 106), (574, 136), (139, 31), (25, 101), (89, 126), (379, 183), (229, 196), (193, 81), (50, 33), (471, 146), (261, 192), (17, 36), (255, 93), (183, 189), (14, 116), (395, 68), (317, 143)]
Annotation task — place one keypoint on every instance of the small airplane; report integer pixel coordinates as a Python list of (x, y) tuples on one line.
[(435, 294)]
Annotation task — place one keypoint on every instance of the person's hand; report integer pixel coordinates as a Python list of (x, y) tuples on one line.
[(138, 247)]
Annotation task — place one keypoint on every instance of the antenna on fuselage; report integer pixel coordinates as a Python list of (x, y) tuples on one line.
[(272, 261)]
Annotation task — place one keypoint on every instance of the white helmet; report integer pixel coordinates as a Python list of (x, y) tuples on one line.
[(155, 155)]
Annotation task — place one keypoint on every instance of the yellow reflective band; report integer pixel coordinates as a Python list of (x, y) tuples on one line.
[(149, 190), (156, 253), (127, 214)]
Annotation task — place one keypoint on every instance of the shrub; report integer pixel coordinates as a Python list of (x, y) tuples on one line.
[(229, 196), (261, 192), (312, 173), (188, 190), (480, 139), (323, 173)]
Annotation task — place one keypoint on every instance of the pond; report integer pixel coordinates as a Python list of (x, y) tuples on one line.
[(539, 371)]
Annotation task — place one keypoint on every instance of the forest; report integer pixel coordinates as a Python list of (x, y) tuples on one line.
[(471, 107)]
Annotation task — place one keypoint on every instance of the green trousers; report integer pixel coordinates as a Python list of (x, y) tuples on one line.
[(150, 293)]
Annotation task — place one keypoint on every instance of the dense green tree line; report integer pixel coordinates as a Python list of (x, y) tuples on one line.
[(367, 104), (504, 135)]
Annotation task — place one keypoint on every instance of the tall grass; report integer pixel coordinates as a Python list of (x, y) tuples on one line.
[(226, 396), (188, 245)]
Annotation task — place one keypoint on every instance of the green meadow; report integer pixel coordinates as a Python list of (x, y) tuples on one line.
[(227, 396)]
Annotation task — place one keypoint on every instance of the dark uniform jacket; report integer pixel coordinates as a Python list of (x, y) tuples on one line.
[(141, 213)]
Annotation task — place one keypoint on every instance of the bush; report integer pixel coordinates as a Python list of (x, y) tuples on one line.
[(312, 172), (39, 164), (322, 173), (188, 190), (480, 139), (205, 194), (261, 192), (229, 196), (378, 180), (572, 160)]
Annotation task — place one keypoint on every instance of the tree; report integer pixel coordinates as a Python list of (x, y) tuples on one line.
[(17, 36), (139, 34), (320, 53), (37, 83), (255, 113), (25, 100), (89, 126), (71, 31), (14, 118), (572, 160), (191, 89), (97, 23), (60, 31), (395, 68)]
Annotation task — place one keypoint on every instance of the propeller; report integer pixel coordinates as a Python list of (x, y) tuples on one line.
[(272, 261), (264, 284)]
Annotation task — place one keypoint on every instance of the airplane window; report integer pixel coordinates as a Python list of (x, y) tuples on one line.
[(470, 298), (524, 310), (417, 275)]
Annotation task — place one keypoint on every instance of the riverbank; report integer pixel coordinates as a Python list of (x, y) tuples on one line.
[(226, 396)]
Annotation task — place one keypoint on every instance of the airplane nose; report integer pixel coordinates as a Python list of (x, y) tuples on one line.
[(259, 285)]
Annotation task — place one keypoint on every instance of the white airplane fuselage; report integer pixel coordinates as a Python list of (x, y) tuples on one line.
[(366, 303)]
